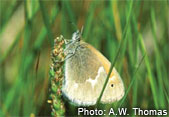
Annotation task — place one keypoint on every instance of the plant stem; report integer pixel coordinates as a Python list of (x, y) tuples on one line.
[(116, 57)]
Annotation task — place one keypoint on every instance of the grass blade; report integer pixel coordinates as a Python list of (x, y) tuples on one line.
[(118, 52), (46, 22), (150, 75), (132, 82)]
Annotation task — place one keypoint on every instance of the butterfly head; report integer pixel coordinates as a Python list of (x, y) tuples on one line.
[(76, 36)]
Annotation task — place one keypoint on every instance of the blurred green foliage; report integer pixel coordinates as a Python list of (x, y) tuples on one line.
[(27, 31)]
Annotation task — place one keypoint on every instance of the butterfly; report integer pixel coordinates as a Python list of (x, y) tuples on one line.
[(86, 70)]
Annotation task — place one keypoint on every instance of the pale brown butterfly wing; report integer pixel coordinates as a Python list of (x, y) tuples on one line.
[(85, 74)]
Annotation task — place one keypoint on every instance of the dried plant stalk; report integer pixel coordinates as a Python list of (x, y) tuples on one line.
[(56, 77)]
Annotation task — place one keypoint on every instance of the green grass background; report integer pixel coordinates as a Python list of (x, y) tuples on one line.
[(26, 44)]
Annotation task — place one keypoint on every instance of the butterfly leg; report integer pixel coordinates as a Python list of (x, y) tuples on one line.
[(71, 53), (68, 55)]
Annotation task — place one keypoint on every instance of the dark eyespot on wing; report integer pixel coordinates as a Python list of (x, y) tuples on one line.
[(112, 85)]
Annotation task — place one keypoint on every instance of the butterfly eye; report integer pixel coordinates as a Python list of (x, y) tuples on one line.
[(112, 85), (78, 39)]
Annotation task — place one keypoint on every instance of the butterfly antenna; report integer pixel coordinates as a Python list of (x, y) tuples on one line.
[(81, 31), (74, 25)]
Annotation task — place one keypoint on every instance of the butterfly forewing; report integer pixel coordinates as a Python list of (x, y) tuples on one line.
[(85, 74)]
